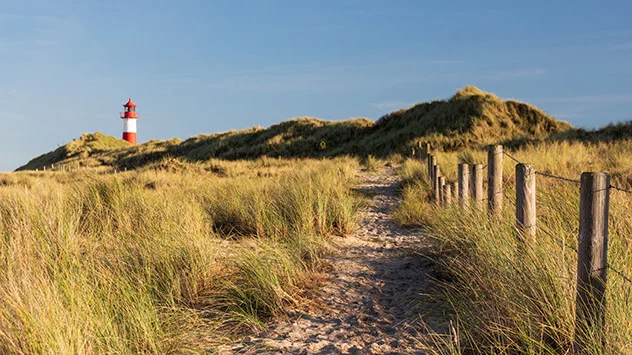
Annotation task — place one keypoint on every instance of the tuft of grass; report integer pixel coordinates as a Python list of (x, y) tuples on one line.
[(163, 260), (371, 163), (512, 298)]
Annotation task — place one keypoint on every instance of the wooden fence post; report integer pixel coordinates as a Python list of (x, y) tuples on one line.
[(495, 180), (442, 196), (426, 154), (464, 185), (476, 184), (447, 194), (594, 200), (429, 169), (525, 202), (436, 174), (432, 162)]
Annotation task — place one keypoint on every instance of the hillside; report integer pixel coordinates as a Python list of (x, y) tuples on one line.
[(470, 118), (78, 150)]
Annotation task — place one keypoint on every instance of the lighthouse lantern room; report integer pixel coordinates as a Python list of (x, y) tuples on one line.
[(129, 117)]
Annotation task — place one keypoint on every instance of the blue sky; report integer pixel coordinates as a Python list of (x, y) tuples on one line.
[(193, 67)]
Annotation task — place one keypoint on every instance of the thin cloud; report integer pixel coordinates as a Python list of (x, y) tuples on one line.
[(29, 48), (4, 115), (445, 61), (568, 115), (324, 80), (35, 35), (601, 35), (321, 69), (587, 99), (311, 77), (518, 73), (622, 47), (390, 105)]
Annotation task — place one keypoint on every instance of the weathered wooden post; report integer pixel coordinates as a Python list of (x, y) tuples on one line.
[(418, 149), (495, 180), (432, 161), (525, 202), (426, 153), (442, 196), (447, 194), (436, 174), (476, 184), (592, 261), (464, 185)]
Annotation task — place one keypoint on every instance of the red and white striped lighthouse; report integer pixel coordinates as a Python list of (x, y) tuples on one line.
[(129, 121)]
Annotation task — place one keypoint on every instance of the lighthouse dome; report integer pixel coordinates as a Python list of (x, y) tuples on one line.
[(130, 103)]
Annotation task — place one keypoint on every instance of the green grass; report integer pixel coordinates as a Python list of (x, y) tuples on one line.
[(509, 298), (157, 261)]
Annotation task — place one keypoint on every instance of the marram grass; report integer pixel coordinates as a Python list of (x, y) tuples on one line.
[(512, 298), (157, 262)]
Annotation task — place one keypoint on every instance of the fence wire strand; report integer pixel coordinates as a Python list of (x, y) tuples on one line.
[(558, 177), (512, 158), (562, 178), (621, 189), (551, 234), (619, 273), (509, 199)]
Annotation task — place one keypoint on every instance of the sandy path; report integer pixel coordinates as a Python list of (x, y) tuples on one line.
[(374, 302)]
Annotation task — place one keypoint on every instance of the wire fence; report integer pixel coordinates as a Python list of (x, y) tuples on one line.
[(551, 234), (565, 179), (589, 249)]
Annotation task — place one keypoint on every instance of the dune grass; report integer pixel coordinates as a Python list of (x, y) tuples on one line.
[(174, 258), (509, 298)]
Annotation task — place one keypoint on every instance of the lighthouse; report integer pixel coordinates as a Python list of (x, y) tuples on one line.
[(129, 117)]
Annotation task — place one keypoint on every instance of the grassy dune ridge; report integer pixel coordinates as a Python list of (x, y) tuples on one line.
[(469, 118), (509, 301), (155, 261)]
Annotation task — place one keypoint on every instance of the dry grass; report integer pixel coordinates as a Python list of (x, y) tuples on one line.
[(508, 298), (161, 261)]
